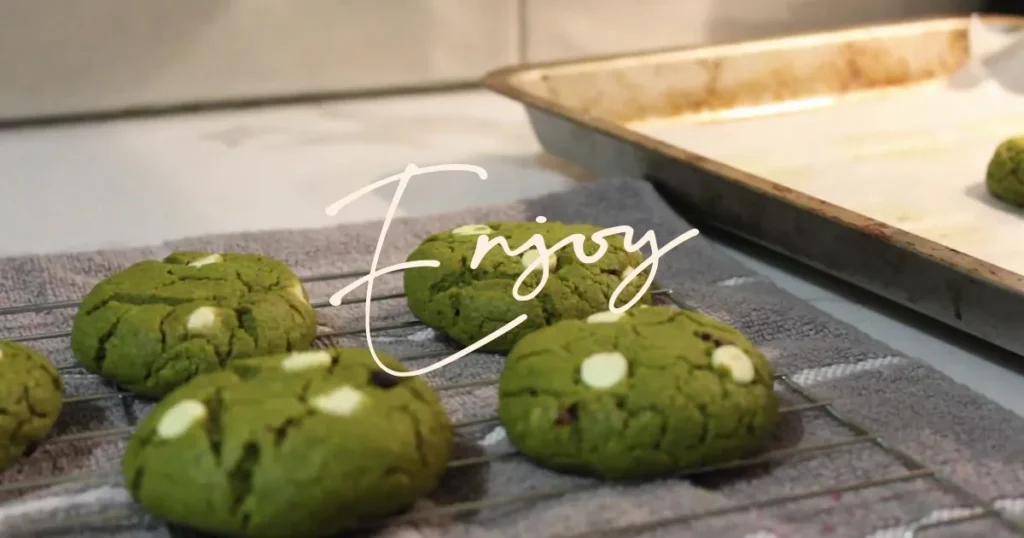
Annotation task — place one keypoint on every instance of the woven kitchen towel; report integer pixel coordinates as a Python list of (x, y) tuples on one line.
[(961, 435)]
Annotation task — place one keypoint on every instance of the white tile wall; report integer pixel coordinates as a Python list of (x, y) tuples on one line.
[(72, 56), (66, 56), (559, 29)]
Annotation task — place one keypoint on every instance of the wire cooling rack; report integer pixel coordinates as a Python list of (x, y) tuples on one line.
[(972, 507)]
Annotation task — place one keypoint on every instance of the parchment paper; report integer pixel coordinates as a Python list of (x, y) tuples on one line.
[(912, 158)]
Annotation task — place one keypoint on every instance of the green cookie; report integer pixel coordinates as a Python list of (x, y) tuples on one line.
[(1005, 175), (639, 395), (31, 397), (469, 304), (158, 324), (307, 444)]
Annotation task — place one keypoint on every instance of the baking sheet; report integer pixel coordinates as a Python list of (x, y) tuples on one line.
[(914, 158), (859, 151)]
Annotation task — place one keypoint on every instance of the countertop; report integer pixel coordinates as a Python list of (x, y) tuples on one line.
[(141, 181)]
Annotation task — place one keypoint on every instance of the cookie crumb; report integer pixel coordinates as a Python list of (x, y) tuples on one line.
[(179, 418), (604, 370), (340, 402), (735, 361), (473, 229), (605, 317), (384, 380), (304, 360), (212, 258), (202, 319), (495, 436)]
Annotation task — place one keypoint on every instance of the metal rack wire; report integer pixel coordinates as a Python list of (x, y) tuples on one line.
[(973, 508)]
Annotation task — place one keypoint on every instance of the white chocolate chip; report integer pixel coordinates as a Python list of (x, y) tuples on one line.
[(472, 229), (604, 370), (202, 319), (604, 317), (179, 418), (305, 360), (299, 292), (341, 402), (735, 361), (531, 256), (1, 354), (212, 258)]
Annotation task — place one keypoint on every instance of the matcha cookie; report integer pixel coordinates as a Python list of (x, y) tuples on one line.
[(307, 444), (1005, 176), (157, 324), (638, 395), (469, 304), (31, 396)]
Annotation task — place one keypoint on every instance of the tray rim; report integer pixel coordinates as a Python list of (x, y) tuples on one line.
[(503, 82)]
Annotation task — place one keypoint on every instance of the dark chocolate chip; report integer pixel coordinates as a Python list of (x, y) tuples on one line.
[(704, 336), (383, 379), (30, 449), (568, 416)]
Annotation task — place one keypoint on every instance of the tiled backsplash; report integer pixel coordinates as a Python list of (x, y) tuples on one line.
[(557, 29), (63, 57)]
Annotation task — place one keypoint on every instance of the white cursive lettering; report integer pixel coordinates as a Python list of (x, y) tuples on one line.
[(403, 180), (483, 246)]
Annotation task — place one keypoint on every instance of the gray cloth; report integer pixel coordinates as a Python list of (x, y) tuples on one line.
[(961, 435)]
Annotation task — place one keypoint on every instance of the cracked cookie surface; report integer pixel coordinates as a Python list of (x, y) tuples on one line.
[(469, 304), (1004, 177), (157, 324), (306, 444), (31, 397), (640, 395)]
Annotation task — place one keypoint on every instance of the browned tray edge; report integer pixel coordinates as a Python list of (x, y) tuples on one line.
[(502, 81)]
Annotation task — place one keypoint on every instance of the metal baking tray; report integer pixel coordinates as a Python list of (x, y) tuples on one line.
[(769, 140)]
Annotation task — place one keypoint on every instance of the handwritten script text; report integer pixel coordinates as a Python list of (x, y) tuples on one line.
[(484, 245)]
